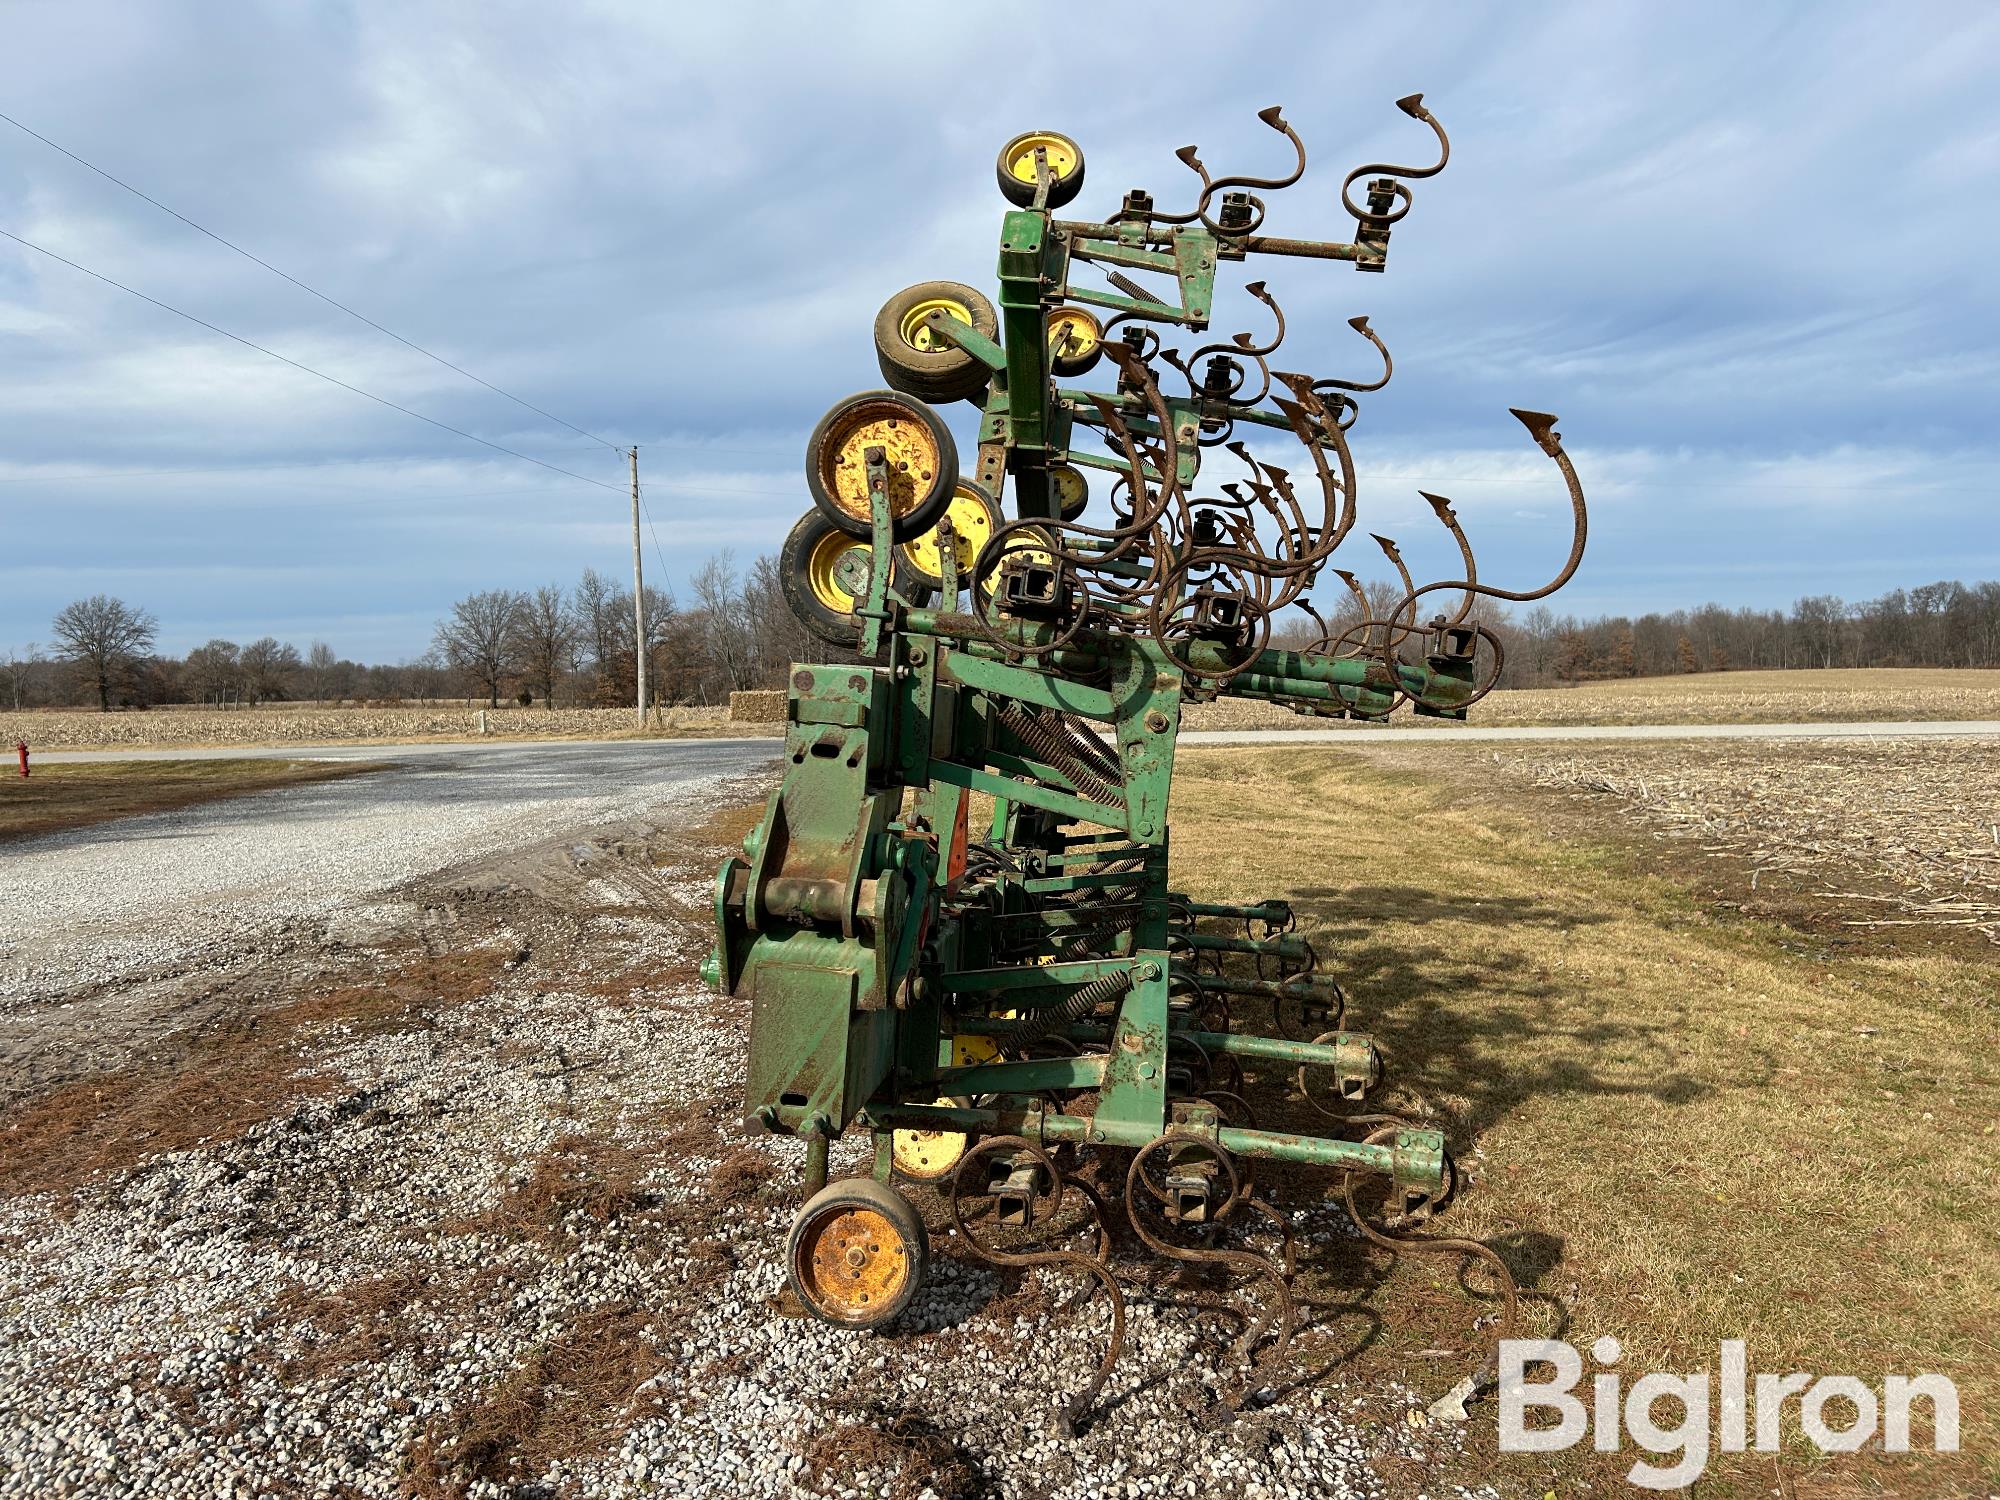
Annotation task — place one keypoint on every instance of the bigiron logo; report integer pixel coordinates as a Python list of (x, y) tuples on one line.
[(1749, 1411)]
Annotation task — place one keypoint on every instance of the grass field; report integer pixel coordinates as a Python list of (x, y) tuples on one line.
[(1681, 1124), (1702, 698), (55, 797)]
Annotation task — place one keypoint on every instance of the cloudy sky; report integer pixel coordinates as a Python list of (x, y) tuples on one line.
[(1746, 252)]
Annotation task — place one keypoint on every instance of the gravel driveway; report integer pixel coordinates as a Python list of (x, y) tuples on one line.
[(375, 1138)]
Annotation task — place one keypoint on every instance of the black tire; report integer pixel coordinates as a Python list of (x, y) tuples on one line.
[(1022, 193), (941, 373), (886, 1276), (923, 463), (796, 574)]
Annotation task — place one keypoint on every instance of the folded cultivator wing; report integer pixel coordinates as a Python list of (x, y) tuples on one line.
[(1014, 1003)]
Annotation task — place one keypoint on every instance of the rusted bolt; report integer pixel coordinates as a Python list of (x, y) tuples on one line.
[(916, 656), (1156, 721), (803, 681)]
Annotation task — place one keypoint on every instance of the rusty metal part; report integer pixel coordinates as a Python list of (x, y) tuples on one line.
[(1096, 1267)]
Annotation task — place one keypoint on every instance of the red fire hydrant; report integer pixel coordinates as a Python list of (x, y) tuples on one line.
[(21, 749)]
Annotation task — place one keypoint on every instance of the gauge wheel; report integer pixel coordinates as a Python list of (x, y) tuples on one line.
[(973, 517), (1015, 168), (922, 458), (823, 573), (915, 360), (929, 1155), (1076, 340), (856, 1253), (1072, 490)]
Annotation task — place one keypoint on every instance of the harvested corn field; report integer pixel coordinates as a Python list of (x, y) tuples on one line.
[(1869, 695)]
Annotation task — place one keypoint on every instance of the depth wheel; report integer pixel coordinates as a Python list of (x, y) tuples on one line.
[(1076, 340), (915, 360), (929, 1155), (856, 1253), (973, 517), (823, 573), (1072, 490), (922, 459), (1015, 168)]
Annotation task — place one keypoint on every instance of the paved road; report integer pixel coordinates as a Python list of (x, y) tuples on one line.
[(165, 888), (620, 756)]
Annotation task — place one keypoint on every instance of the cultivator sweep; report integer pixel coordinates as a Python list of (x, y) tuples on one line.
[(954, 925)]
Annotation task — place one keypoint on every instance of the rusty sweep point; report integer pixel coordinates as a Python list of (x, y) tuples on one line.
[(1188, 157), (1360, 324), (1387, 544), (1413, 106), (1441, 505), (1542, 428), (1273, 117)]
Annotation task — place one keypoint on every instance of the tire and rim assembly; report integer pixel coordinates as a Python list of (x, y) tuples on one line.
[(856, 1254), (824, 575), (929, 1155), (922, 459), (1076, 340), (1072, 490), (973, 517), (915, 360), (1015, 169)]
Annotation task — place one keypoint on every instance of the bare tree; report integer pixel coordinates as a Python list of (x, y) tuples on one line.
[(270, 666), (546, 634), (605, 628), (214, 670), (480, 637), (104, 640), (320, 662)]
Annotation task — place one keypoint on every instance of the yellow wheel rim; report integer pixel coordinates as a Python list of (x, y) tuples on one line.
[(822, 570), (1072, 489), (1062, 154), (970, 1047), (972, 522), (853, 1264), (916, 332), (927, 1155), (1073, 333), (906, 442)]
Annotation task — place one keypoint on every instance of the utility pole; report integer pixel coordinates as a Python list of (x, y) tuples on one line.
[(638, 593)]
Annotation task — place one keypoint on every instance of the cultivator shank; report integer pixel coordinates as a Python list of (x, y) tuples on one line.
[(954, 925)]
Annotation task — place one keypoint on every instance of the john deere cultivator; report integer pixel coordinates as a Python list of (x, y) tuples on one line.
[(954, 925)]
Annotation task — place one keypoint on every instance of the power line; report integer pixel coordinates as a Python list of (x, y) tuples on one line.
[(320, 374), (330, 301), (658, 557)]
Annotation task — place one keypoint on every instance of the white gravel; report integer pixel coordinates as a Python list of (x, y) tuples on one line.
[(151, 891), (176, 1328)]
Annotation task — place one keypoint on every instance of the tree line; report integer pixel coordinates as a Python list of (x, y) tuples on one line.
[(575, 646)]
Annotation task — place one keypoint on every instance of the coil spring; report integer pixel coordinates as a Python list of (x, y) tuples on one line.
[(1058, 749), (1076, 1006)]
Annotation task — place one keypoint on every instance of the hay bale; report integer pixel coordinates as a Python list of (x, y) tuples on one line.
[(764, 706)]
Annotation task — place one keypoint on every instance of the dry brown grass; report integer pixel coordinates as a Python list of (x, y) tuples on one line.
[(55, 797), (232, 1075), (286, 724), (907, 1455), (570, 1396), (1835, 696), (1680, 1126)]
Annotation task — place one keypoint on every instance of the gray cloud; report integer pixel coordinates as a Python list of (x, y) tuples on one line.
[(1744, 253)]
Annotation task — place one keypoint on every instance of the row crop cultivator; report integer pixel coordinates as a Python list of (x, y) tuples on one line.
[(954, 924)]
